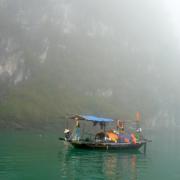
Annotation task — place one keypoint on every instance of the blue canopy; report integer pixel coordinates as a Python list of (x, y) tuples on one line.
[(96, 119)]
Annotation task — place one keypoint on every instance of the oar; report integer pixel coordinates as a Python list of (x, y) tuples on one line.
[(61, 139), (147, 140), (145, 144)]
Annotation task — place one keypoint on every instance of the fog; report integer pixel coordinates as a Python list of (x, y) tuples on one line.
[(104, 57)]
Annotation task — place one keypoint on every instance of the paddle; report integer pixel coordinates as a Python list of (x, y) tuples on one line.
[(148, 140), (62, 139)]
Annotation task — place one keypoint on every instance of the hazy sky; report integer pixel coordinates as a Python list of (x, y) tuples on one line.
[(173, 12)]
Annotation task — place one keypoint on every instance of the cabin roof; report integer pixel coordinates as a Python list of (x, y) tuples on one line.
[(92, 118)]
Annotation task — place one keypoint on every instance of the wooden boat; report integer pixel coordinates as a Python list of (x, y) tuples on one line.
[(107, 145), (101, 140)]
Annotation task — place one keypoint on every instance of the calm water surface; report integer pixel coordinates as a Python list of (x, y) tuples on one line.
[(35, 156)]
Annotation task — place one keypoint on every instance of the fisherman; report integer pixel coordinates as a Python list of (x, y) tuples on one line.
[(138, 134), (120, 126), (77, 133), (67, 134)]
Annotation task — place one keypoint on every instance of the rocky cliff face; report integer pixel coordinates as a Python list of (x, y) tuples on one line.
[(118, 53)]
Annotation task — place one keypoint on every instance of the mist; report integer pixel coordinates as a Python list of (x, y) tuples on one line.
[(110, 58)]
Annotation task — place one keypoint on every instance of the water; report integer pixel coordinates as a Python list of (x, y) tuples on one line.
[(35, 156)]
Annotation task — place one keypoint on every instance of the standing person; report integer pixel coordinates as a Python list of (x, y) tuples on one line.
[(77, 135), (120, 126)]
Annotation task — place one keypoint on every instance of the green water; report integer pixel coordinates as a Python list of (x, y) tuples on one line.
[(41, 156)]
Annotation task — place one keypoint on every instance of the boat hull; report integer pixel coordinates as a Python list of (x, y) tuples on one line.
[(103, 145)]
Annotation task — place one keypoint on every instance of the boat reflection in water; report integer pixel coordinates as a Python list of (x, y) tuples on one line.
[(80, 164), (120, 166)]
